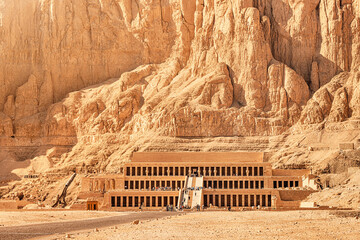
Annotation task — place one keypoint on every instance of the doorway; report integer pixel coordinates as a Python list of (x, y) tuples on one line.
[(92, 205)]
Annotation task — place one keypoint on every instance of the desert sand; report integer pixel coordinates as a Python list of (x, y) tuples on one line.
[(17, 218), (233, 225)]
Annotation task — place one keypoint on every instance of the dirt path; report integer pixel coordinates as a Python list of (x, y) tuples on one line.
[(254, 225), (45, 229)]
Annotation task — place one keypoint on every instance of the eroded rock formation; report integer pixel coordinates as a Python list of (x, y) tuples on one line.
[(113, 77)]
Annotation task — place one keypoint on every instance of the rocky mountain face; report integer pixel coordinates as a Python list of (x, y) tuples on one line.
[(86, 83)]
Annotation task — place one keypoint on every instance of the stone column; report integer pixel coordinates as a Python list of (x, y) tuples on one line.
[(202, 200)]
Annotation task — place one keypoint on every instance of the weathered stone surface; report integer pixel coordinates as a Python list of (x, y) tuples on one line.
[(27, 99), (46, 94), (116, 76), (340, 107), (9, 107), (6, 126), (80, 43)]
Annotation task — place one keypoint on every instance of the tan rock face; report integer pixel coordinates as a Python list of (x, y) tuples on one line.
[(173, 69), (6, 126), (27, 99), (79, 43)]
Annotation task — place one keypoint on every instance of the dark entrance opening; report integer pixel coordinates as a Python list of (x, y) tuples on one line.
[(92, 205)]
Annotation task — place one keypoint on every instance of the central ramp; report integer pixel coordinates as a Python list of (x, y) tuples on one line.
[(191, 195), (197, 192)]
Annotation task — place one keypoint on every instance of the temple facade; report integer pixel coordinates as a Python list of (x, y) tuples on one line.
[(236, 180)]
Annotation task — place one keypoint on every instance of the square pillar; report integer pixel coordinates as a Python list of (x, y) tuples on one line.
[(202, 200), (266, 200)]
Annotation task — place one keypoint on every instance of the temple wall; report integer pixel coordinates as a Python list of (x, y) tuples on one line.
[(240, 180), (192, 157)]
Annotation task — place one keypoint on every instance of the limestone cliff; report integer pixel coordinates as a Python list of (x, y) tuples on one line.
[(95, 80)]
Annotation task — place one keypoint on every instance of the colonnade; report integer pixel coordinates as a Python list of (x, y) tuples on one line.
[(203, 171), (219, 200), (285, 184), (154, 184), (237, 200), (144, 201), (234, 184)]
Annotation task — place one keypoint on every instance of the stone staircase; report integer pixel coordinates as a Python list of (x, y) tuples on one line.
[(191, 195), (197, 192)]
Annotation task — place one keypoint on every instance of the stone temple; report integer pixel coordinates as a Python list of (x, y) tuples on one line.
[(212, 180)]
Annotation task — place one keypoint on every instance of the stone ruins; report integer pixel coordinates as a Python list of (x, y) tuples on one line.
[(158, 180)]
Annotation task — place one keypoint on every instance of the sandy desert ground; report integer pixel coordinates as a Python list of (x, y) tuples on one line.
[(233, 225), (8, 219)]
